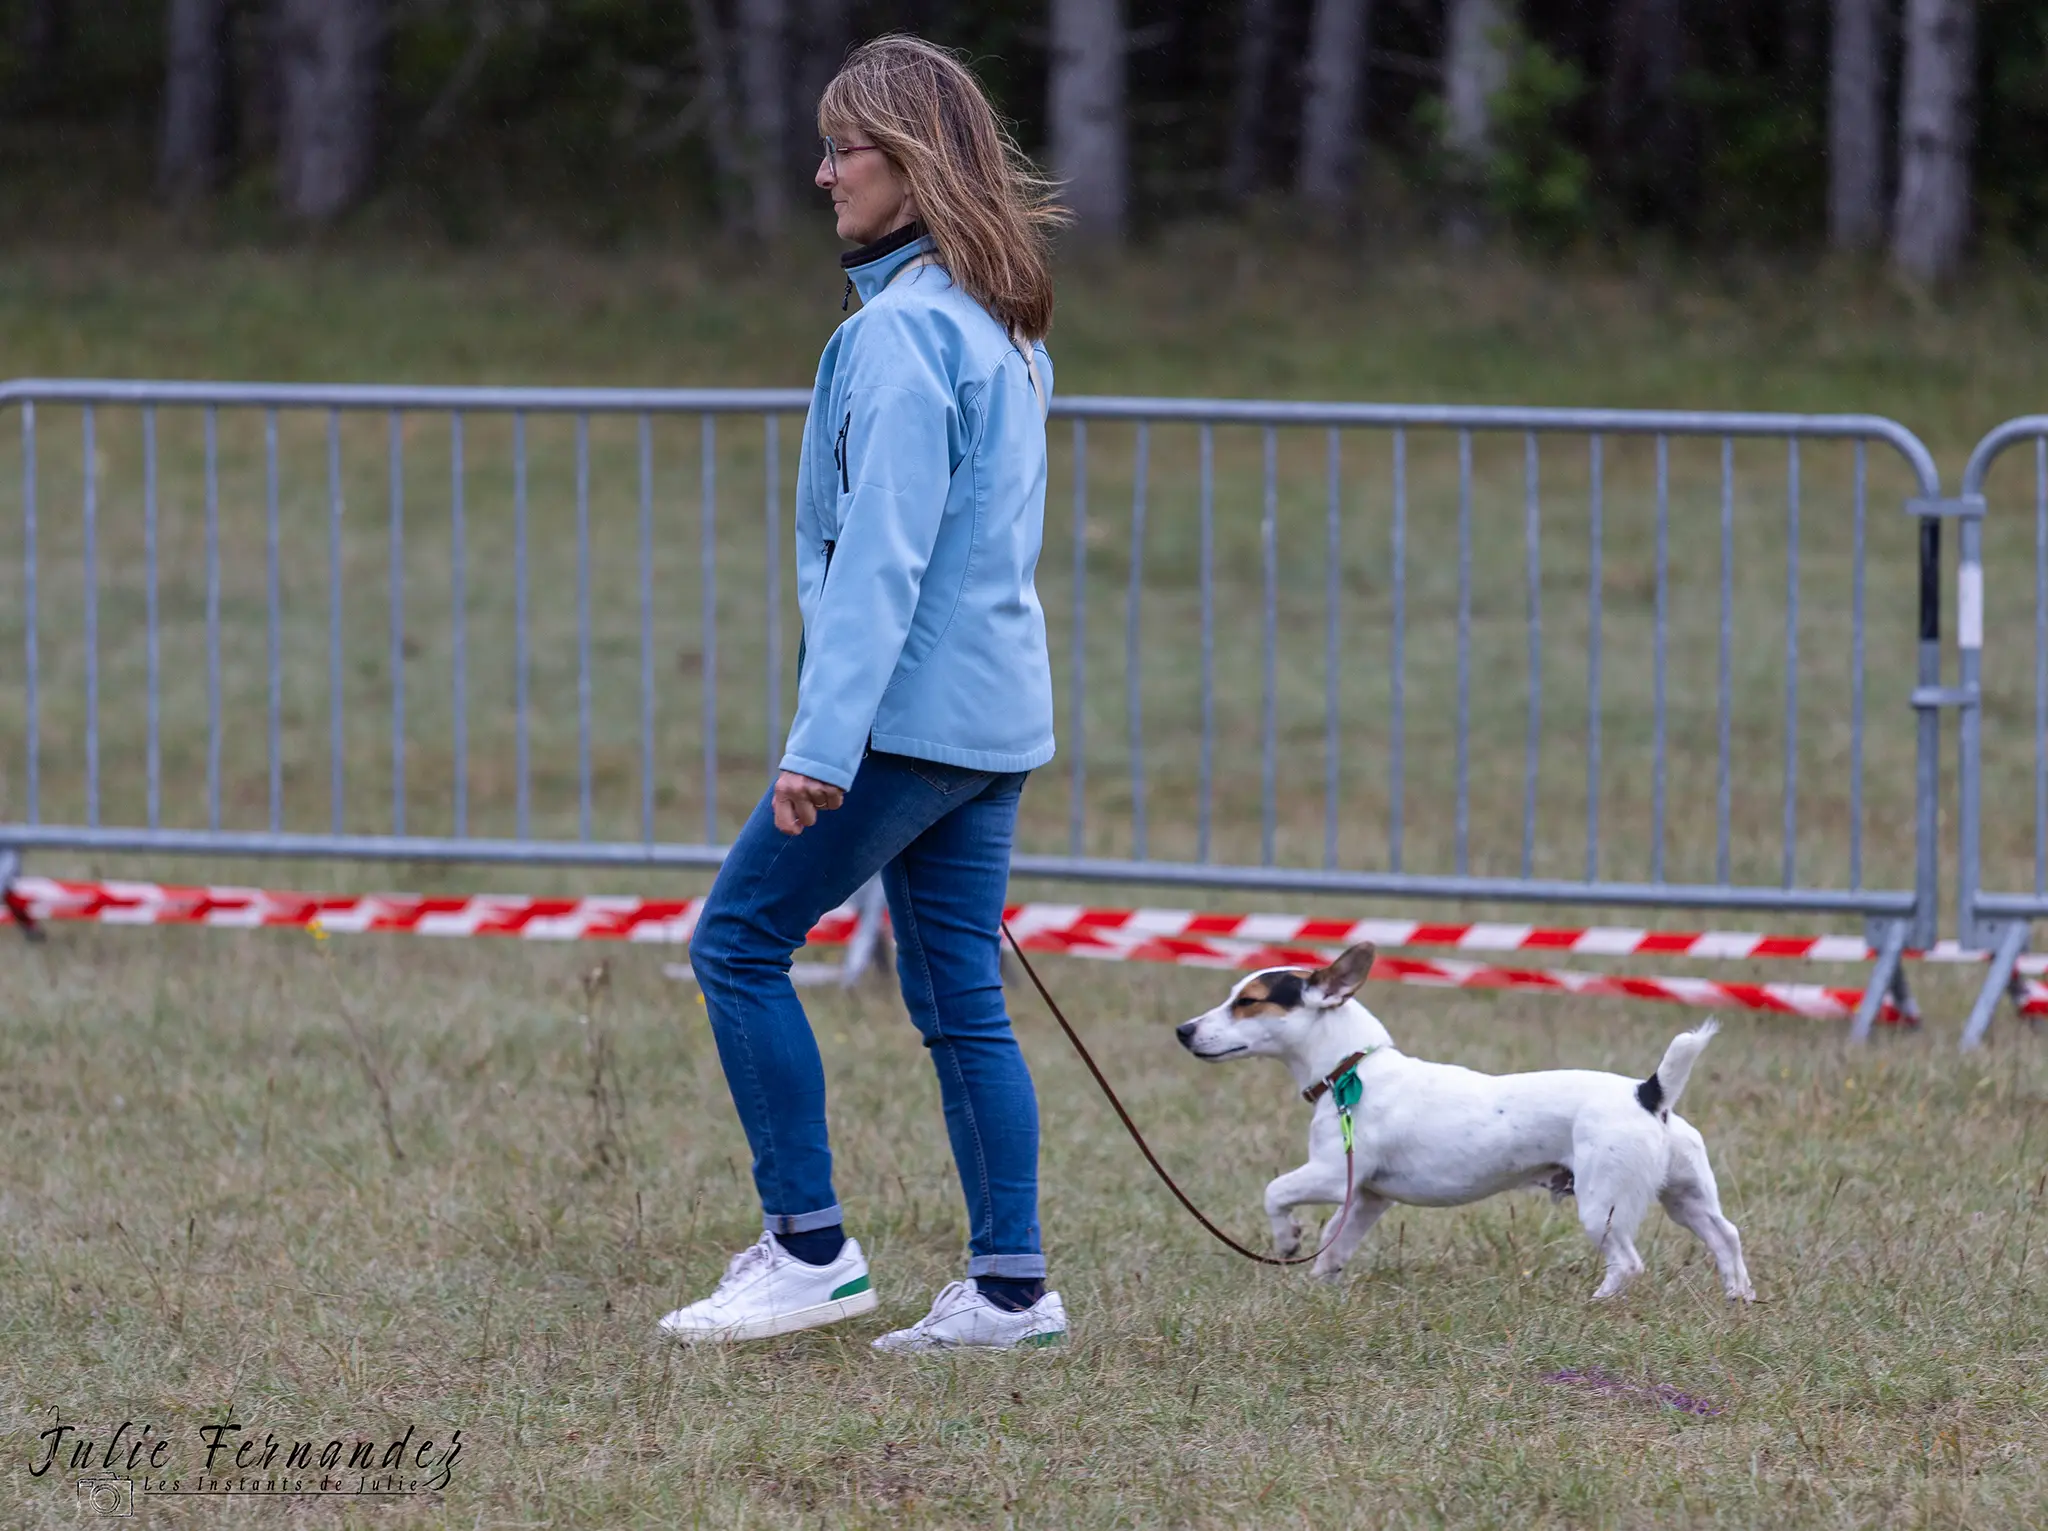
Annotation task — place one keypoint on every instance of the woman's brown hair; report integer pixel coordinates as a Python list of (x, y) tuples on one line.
[(989, 211)]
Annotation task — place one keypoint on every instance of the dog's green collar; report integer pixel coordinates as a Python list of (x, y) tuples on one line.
[(1343, 1079), (1342, 1086)]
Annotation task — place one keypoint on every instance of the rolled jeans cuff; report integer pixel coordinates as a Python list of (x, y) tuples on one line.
[(1008, 1267), (802, 1222)]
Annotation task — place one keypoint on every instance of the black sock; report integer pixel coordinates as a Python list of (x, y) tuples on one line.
[(820, 1246), (1013, 1294)]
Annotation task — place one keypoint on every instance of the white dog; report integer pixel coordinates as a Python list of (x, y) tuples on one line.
[(1436, 1135)]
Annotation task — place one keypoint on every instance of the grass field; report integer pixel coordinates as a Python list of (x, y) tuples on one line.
[(206, 1205)]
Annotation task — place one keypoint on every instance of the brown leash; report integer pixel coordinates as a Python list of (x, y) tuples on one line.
[(1336, 1224)]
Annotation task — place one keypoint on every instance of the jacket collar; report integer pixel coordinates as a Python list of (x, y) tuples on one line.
[(870, 268)]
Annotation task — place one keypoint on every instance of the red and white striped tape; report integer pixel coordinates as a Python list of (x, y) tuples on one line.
[(1240, 942)]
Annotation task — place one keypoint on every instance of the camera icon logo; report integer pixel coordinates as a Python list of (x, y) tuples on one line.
[(106, 1496)]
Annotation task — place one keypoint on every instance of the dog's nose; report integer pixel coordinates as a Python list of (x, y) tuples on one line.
[(1186, 1032)]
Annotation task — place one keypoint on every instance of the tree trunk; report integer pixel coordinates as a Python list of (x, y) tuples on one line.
[(1085, 107), (1932, 216), (1476, 37), (764, 91), (720, 133), (1856, 126), (195, 99), (1330, 109), (1647, 144), (1242, 164), (827, 32), (331, 59)]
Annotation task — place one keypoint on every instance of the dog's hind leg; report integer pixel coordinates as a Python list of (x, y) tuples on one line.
[(1365, 1211), (1313, 1182), (1693, 1201), (1613, 1195)]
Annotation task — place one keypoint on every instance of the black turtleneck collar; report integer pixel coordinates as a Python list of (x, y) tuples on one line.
[(888, 244)]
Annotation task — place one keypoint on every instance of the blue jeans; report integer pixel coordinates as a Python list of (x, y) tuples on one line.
[(940, 836)]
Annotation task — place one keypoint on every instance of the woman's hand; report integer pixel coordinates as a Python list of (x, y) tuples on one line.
[(800, 799)]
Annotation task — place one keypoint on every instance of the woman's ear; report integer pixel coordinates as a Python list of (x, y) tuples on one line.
[(1342, 978)]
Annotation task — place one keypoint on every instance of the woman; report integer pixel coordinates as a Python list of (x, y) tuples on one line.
[(924, 697)]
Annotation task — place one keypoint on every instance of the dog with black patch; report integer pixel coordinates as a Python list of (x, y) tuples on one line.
[(1438, 1135)]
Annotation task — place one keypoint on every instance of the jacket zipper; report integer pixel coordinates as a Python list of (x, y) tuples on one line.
[(802, 638), (839, 453)]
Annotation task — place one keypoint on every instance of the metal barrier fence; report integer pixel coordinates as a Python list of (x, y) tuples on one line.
[(1992, 920), (1381, 651)]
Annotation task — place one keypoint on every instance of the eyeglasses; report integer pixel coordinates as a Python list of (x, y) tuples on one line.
[(833, 149)]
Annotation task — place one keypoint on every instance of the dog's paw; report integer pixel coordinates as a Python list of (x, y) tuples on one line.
[(1323, 1271)]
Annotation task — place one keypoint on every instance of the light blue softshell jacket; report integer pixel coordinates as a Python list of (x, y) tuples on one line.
[(919, 515)]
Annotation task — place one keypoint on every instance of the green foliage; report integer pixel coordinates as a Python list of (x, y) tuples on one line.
[(1539, 184), (2012, 169), (1764, 171), (1536, 182)]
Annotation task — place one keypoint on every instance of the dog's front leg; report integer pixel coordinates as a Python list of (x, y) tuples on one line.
[(1366, 1209), (1313, 1182)]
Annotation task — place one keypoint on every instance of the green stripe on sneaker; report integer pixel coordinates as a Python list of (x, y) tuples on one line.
[(857, 1285), (1057, 1337)]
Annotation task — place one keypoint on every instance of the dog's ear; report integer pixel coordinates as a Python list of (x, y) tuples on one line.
[(1342, 978)]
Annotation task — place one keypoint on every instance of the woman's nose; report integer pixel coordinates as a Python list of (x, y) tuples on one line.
[(824, 178)]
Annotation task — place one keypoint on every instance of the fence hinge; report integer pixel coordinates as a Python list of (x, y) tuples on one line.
[(1963, 506), (1946, 696)]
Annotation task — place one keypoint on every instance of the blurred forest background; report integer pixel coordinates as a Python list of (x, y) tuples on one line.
[(1916, 130)]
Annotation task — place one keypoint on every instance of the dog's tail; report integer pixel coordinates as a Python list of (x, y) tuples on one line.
[(1659, 1093)]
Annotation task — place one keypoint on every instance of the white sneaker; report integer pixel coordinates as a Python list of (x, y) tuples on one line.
[(962, 1317), (769, 1291)]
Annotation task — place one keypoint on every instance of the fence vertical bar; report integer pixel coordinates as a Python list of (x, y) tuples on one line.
[(1856, 575), (1332, 587), (1205, 785), (1077, 778), (708, 560), (1532, 536), (32, 730), (1462, 813), (1269, 557), (1927, 747), (334, 660), (583, 627), (154, 747), (92, 618), (1723, 672), (2040, 666), (646, 445), (521, 741), (273, 634), (1397, 736), (1791, 826), (771, 530), (1593, 649), (1969, 726), (1134, 664), (1662, 625), (212, 618), (458, 619), (395, 460)]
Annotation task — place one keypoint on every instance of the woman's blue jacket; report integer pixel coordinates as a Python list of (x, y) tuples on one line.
[(919, 514)]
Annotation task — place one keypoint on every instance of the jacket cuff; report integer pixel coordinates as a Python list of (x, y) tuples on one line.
[(818, 770)]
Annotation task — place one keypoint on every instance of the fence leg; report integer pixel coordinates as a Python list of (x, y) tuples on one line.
[(1885, 978), (17, 906), (870, 933), (2004, 960), (1902, 998)]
